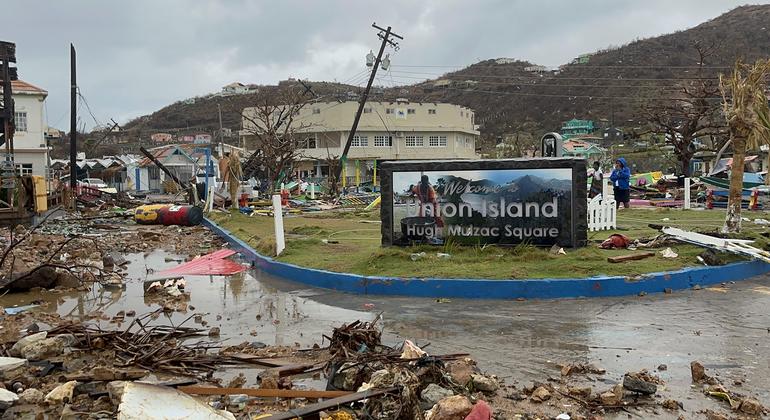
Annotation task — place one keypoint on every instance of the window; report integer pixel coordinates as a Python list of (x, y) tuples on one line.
[(389, 110), (383, 141), (359, 141), (437, 141), (414, 141), (316, 110), (410, 111), (462, 114), (20, 119), (24, 168), (308, 143), (432, 111), (367, 110), (468, 143)]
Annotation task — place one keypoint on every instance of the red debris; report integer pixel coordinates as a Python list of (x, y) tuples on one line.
[(213, 264)]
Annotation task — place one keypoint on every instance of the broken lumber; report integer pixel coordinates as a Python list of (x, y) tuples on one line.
[(332, 403), (630, 257), (263, 393)]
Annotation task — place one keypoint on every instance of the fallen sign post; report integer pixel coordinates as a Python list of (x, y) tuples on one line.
[(735, 246)]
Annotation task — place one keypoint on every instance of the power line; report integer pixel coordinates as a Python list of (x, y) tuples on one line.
[(646, 66), (590, 97), (556, 85), (540, 77)]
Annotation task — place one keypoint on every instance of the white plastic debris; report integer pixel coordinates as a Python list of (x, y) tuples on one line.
[(668, 253), (411, 351), (763, 222), (563, 416), (443, 256), (665, 219), (10, 363), (142, 401), (417, 256), (7, 398)]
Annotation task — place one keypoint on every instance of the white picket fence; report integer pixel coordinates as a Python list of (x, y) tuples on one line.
[(602, 214)]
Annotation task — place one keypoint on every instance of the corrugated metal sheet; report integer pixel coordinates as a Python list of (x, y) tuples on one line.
[(213, 264)]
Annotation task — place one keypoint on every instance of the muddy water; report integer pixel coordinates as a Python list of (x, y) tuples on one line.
[(249, 309), (724, 328)]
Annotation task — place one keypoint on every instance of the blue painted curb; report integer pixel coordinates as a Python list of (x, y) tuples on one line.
[(600, 286)]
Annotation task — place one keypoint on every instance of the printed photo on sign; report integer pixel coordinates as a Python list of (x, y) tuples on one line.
[(500, 206)]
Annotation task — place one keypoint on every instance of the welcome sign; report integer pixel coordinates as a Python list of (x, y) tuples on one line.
[(505, 202)]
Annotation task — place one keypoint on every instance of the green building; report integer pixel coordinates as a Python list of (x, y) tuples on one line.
[(576, 128)]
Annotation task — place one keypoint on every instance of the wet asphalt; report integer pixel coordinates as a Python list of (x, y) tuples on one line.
[(726, 328)]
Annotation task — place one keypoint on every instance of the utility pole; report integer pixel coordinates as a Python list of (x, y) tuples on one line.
[(220, 139), (7, 111), (385, 35), (73, 125)]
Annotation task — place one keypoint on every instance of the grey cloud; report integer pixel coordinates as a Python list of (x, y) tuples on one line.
[(137, 56)]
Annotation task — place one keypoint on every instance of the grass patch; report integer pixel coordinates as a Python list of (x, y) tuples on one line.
[(358, 249)]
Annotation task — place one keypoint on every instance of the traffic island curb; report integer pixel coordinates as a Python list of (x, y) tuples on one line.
[(598, 286)]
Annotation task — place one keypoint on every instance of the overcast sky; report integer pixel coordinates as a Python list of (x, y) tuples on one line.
[(137, 56)]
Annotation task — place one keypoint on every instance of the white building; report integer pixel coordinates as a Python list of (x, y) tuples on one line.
[(235, 88), (31, 151), (398, 130)]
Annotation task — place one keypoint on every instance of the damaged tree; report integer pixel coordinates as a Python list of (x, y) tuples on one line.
[(275, 123), (748, 117), (689, 113)]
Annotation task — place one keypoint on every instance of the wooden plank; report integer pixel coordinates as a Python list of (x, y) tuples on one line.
[(263, 393), (309, 410), (262, 361), (630, 257)]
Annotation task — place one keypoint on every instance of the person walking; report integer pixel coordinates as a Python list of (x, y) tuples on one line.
[(597, 178), (620, 177)]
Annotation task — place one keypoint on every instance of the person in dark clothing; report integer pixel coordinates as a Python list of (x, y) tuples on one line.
[(597, 179), (620, 178), (427, 195)]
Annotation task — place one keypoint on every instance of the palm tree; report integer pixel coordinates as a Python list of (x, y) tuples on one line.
[(745, 106)]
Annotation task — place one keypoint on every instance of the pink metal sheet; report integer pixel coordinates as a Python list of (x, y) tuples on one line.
[(213, 264)]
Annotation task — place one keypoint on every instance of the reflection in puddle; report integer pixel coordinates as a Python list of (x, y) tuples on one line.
[(242, 306)]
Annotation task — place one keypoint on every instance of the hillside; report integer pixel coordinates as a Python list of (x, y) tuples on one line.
[(606, 85)]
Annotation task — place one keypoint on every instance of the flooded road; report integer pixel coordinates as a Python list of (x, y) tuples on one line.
[(250, 310), (726, 328)]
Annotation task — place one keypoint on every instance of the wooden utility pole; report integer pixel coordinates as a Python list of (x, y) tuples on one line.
[(73, 124), (7, 111), (385, 35), (220, 137)]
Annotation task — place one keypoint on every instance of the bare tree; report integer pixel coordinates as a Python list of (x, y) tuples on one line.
[(333, 163), (523, 142), (689, 112), (275, 124), (745, 106)]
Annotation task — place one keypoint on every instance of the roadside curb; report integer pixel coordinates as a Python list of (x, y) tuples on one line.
[(599, 286)]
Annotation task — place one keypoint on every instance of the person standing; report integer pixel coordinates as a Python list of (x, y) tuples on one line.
[(597, 178), (620, 182), (427, 196)]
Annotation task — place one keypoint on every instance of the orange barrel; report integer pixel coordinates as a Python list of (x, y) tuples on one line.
[(164, 214)]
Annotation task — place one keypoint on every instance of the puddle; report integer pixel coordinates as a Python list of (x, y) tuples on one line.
[(249, 309)]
